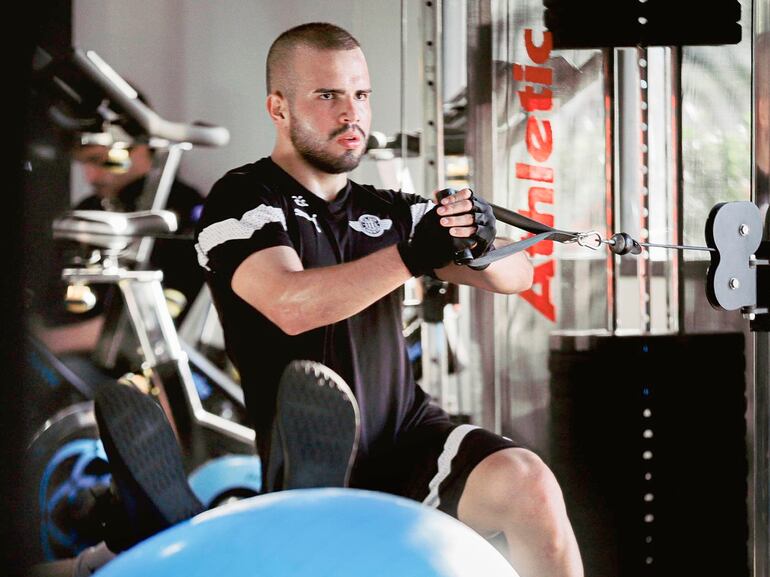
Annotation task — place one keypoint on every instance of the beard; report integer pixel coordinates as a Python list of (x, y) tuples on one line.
[(312, 149)]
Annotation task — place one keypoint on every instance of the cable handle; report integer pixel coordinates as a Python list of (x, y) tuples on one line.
[(463, 254)]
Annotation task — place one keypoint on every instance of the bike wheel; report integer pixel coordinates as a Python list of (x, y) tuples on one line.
[(64, 467)]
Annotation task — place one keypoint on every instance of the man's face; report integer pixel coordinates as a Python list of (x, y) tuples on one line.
[(105, 181), (329, 112)]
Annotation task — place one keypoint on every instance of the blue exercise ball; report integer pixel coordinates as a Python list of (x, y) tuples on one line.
[(315, 533)]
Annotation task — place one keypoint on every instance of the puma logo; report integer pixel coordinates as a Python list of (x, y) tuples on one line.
[(306, 216)]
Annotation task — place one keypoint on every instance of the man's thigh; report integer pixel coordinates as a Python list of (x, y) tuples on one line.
[(431, 463)]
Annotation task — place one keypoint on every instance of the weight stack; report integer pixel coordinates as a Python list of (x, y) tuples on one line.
[(648, 441)]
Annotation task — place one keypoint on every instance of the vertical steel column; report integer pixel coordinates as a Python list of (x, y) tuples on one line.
[(759, 465), (480, 147), (675, 294), (758, 398), (643, 263), (610, 200), (402, 103), (435, 353), (432, 141)]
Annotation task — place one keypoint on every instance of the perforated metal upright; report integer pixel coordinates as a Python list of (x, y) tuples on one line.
[(758, 396), (435, 353)]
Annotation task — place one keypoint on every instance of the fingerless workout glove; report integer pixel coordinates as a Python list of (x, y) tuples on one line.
[(486, 226), (431, 246), (486, 229)]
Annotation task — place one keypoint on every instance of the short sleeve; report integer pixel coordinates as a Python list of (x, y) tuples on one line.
[(240, 217), (418, 207)]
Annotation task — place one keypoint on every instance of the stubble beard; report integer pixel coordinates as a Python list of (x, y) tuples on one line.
[(311, 148)]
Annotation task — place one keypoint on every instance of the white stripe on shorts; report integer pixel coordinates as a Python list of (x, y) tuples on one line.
[(451, 446)]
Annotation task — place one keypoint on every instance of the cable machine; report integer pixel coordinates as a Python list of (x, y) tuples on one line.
[(634, 419)]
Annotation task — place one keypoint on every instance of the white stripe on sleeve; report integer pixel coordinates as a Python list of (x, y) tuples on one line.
[(232, 229), (419, 210)]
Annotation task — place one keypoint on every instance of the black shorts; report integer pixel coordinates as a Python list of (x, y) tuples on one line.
[(431, 463)]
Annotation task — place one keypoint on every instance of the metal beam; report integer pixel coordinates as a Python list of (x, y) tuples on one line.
[(758, 413)]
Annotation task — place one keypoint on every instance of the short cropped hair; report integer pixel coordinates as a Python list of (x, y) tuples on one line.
[(319, 35)]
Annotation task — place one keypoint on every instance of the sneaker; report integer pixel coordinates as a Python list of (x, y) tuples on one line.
[(146, 463), (318, 425)]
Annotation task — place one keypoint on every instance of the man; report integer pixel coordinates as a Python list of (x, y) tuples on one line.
[(117, 185), (305, 264)]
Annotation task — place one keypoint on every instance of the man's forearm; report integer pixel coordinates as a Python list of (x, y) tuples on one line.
[(510, 275), (298, 300)]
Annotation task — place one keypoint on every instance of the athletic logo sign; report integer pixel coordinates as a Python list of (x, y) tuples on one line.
[(371, 225)]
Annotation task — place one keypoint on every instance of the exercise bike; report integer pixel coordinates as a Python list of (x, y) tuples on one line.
[(66, 467)]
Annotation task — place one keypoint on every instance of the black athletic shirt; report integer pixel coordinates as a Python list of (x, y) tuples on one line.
[(258, 206)]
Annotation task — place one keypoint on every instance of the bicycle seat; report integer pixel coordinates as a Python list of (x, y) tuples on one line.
[(112, 230)]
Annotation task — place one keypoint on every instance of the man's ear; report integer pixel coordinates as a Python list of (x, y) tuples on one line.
[(277, 107)]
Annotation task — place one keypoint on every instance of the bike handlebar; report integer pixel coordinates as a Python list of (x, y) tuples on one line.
[(91, 73), (155, 126)]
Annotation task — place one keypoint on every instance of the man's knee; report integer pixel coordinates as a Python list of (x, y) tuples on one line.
[(514, 491), (523, 483), (517, 488)]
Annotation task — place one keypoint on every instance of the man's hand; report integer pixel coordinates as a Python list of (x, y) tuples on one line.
[(475, 220), (431, 246), (462, 216), (472, 217), (486, 226), (486, 229)]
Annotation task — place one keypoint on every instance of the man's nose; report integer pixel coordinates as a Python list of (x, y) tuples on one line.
[(349, 114)]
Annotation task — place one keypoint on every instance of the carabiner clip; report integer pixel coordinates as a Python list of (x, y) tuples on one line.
[(590, 239)]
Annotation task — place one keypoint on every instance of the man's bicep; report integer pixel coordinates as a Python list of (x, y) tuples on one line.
[(262, 276)]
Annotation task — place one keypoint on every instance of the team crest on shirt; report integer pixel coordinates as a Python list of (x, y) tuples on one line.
[(371, 225)]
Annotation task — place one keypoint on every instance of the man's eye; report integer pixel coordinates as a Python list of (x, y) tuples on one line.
[(327, 96), (363, 96)]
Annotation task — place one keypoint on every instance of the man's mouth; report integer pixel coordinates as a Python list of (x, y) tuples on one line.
[(350, 140), (349, 136)]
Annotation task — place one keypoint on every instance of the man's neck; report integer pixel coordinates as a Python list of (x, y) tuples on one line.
[(322, 184)]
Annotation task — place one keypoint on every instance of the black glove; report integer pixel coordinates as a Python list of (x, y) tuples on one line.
[(486, 229), (431, 246), (486, 226)]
